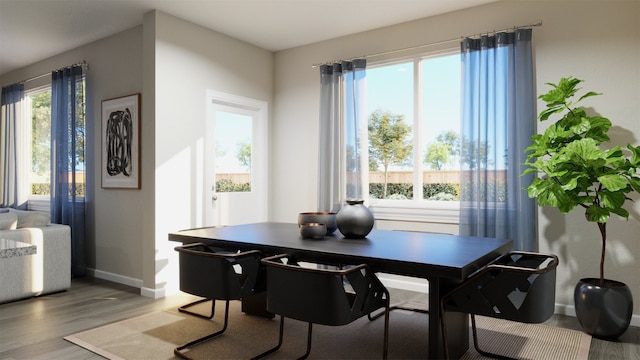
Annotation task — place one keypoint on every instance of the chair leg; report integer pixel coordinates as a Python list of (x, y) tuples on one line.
[(183, 308), (178, 351), (306, 354), (397, 307), (385, 346), (275, 348), (475, 343), (443, 331)]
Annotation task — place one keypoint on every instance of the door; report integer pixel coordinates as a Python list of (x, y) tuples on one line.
[(235, 158)]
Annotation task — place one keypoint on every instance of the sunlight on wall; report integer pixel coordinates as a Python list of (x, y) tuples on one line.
[(36, 262), (179, 205)]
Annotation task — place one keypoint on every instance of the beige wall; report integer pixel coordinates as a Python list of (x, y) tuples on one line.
[(115, 63), (598, 41)]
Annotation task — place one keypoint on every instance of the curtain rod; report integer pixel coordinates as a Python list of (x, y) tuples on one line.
[(539, 23), (82, 63)]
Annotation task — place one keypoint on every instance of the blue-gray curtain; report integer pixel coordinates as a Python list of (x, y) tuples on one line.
[(68, 139), (342, 117), (497, 124), (12, 97)]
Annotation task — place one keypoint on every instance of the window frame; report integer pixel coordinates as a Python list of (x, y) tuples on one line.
[(416, 209), (34, 202)]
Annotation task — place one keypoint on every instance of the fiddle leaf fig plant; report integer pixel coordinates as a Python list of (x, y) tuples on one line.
[(573, 168)]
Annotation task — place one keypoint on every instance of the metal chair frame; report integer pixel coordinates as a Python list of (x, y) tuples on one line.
[(325, 287), (216, 280), (531, 275)]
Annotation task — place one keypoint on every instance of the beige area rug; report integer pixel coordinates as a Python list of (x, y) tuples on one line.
[(155, 335)]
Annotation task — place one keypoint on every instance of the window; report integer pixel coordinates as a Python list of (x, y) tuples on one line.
[(39, 110), (37, 145), (414, 137)]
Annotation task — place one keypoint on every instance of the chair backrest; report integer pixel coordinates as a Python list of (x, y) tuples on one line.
[(321, 296), (216, 274), (519, 286)]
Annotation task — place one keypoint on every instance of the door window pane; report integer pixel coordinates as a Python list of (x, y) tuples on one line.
[(233, 138)]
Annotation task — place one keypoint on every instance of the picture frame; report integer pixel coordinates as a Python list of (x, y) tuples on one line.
[(120, 144)]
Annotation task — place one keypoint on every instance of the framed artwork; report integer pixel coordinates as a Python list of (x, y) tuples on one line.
[(121, 142)]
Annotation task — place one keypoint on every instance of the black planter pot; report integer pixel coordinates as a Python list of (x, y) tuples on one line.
[(603, 311)]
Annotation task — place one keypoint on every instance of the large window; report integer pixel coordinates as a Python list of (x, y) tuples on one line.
[(414, 130), (39, 107), (37, 144)]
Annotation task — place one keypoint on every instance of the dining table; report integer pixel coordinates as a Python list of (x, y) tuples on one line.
[(444, 260)]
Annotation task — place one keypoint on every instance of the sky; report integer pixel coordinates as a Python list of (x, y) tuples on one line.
[(391, 88)]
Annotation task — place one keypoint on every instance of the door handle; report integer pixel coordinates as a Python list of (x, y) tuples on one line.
[(214, 197)]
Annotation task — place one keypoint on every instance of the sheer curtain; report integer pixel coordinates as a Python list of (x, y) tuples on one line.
[(12, 97), (497, 124), (68, 159), (342, 120)]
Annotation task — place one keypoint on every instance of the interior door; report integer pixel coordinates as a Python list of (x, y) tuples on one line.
[(235, 157)]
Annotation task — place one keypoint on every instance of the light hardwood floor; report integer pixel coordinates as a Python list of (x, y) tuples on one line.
[(33, 328)]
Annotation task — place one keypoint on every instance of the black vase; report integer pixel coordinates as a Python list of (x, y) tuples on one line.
[(355, 220), (603, 311)]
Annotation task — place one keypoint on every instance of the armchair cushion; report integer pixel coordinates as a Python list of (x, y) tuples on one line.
[(28, 219), (8, 221)]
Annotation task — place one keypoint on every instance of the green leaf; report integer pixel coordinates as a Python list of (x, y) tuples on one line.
[(621, 212), (613, 182), (597, 214), (612, 200), (589, 94), (544, 115)]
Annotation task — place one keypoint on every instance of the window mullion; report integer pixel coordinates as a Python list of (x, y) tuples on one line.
[(417, 132)]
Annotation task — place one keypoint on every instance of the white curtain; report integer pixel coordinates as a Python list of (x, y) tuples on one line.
[(497, 124), (10, 170), (342, 120)]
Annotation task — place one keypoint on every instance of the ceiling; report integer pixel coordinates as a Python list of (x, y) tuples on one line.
[(33, 30)]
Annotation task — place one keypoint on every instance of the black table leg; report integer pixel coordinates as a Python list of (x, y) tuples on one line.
[(457, 325)]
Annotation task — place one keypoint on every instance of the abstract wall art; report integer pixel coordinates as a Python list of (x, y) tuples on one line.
[(121, 142)]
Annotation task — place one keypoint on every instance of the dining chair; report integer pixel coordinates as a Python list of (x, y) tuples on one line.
[(320, 295), (217, 275), (519, 286), (185, 308)]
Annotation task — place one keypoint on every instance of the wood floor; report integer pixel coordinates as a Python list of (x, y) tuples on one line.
[(33, 328)]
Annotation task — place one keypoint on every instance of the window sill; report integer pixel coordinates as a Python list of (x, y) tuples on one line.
[(39, 203), (446, 212)]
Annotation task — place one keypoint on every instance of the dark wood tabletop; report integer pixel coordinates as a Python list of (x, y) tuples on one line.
[(442, 259), (415, 254)]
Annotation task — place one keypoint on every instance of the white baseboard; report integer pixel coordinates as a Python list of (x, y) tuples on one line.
[(153, 293), (125, 280)]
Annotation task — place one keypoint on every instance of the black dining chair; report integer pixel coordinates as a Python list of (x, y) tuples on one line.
[(322, 296), (185, 308), (217, 275), (519, 286)]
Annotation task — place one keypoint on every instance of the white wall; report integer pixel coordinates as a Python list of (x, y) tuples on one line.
[(189, 61), (596, 41)]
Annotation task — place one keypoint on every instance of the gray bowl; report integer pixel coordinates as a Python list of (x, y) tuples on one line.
[(314, 231), (327, 218)]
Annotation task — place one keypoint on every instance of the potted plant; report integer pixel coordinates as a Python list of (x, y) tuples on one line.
[(575, 171)]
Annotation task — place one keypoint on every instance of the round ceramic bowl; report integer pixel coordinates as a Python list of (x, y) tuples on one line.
[(327, 218), (314, 231)]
